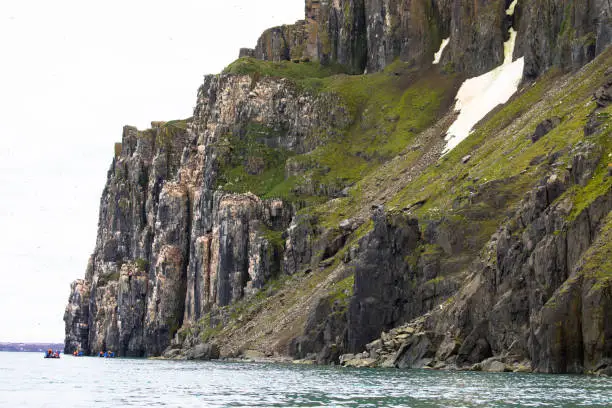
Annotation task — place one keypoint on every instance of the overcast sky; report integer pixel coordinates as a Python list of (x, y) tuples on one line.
[(72, 73)]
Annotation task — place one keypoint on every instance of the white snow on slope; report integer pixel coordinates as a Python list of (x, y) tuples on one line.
[(438, 55), (478, 96)]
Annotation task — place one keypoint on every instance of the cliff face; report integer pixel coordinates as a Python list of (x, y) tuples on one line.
[(371, 34), (565, 34), (302, 212), (170, 244), (526, 299)]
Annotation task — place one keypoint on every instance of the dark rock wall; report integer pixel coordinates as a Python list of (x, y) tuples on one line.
[(566, 33), (477, 35), (332, 32), (371, 34), (382, 278), (528, 296)]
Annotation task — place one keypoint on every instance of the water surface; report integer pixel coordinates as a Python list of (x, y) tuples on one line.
[(28, 380)]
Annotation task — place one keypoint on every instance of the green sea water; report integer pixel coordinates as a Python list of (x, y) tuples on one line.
[(29, 380)]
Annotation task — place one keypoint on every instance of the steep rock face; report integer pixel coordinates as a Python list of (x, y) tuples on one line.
[(75, 316), (401, 273), (382, 278), (409, 30), (184, 248), (168, 268), (131, 306), (523, 299), (261, 112), (235, 258), (566, 34), (128, 214), (529, 267), (413, 31), (170, 244), (332, 32), (572, 331), (477, 35), (370, 34)]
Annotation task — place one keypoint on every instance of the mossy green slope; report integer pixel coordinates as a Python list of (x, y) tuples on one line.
[(387, 109), (392, 112), (597, 262)]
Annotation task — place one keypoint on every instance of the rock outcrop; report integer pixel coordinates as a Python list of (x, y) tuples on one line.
[(565, 34), (314, 216), (171, 245), (371, 34), (534, 299), (528, 300)]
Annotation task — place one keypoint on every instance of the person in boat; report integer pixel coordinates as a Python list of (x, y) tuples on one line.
[(49, 354), (101, 354)]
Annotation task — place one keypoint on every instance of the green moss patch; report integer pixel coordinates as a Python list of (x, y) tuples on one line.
[(104, 280), (501, 169), (284, 69), (601, 182), (388, 110), (342, 291), (598, 259), (249, 164)]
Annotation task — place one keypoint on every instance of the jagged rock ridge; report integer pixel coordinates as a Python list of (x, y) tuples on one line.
[(467, 261)]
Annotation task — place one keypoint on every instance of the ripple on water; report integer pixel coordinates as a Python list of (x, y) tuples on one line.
[(82, 382)]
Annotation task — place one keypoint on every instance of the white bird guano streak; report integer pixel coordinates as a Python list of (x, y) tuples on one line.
[(478, 96)]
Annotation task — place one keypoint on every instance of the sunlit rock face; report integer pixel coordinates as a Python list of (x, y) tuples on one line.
[(332, 32), (170, 244), (75, 316)]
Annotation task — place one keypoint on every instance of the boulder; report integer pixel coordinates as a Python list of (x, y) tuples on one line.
[(544, 128), (253, 355), (493, 365), (360, 363), (448, 347), (417, 352), (204, 351)]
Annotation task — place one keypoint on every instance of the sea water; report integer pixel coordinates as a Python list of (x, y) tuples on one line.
[(29, 380)]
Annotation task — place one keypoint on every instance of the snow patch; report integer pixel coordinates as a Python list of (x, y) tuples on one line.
[(438, 55), (510, 10), (478, 96)]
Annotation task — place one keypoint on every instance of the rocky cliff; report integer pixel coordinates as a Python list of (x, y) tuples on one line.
[(310, 214), (371, 34)]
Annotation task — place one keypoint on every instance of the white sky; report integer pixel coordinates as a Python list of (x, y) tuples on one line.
[(72, 73)]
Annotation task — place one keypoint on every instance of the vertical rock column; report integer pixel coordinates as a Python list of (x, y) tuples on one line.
[(76, 316), (167, 276)]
